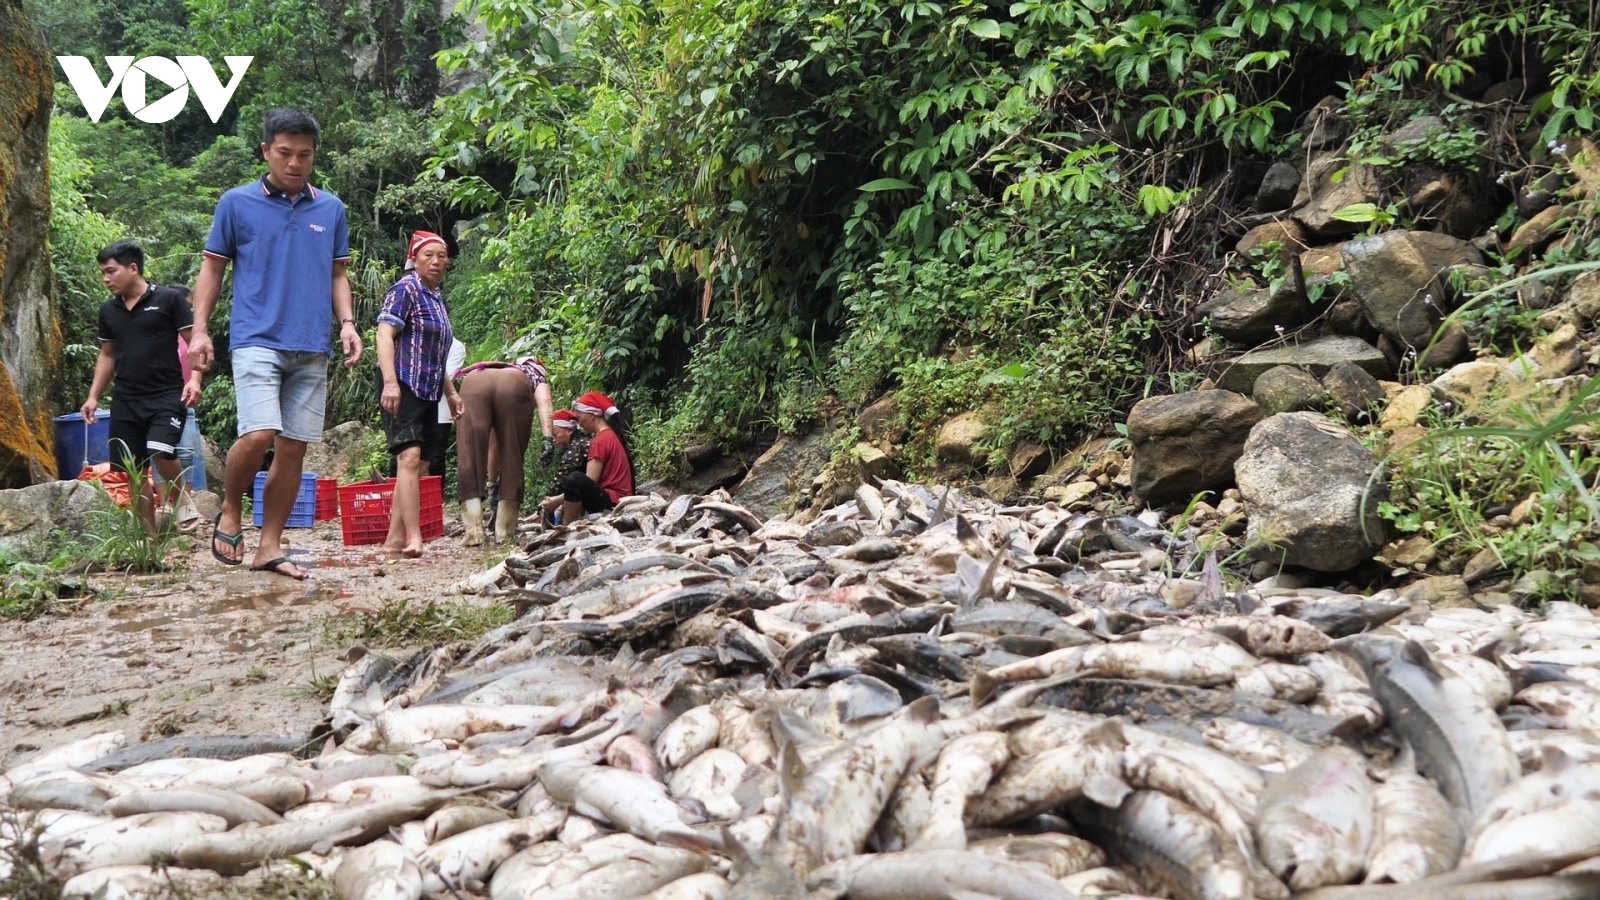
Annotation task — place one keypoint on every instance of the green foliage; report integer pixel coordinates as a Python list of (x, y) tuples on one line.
[(1532, 455), (400, 624), (119, 540), (29, 590)]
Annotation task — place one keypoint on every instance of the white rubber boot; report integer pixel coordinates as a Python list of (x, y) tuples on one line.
[(472, 518), (505, 521)]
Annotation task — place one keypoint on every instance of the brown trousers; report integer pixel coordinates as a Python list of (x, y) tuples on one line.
[(499, 409)]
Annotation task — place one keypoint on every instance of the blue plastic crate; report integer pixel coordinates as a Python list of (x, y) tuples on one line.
[(304, 514)]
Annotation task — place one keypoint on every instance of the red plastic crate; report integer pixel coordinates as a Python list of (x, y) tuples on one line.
[(364, 510), (327, 499)]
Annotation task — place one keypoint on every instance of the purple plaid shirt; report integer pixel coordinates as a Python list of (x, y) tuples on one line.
[(424, 339)]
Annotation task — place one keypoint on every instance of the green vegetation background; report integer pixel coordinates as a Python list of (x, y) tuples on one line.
[(742, 216)]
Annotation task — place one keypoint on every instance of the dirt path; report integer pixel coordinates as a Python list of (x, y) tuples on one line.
[(204, 649)]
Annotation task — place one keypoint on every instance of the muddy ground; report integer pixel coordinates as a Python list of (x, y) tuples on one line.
[(205, 648)]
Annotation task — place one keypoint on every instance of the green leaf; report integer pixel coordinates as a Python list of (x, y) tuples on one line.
[(887, 184), (985, 28)]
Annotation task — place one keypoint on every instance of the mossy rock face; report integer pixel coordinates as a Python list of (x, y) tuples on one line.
[(30, 336)]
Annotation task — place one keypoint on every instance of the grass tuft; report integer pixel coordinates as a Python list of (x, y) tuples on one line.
[(400, 624)]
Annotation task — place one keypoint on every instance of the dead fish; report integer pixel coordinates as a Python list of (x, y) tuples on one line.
[(934, 875), (632, 802), (235, 852), (1091, 766), (965, 768), (381, 870), (210, 747), (463, 815), (1168, 843), (231, 807), (140, 882), (1458, 740), (468, 858), (126, 842), (1415, 833), (1315, 821)]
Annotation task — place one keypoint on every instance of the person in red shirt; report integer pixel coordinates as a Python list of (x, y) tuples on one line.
[(608, 477)]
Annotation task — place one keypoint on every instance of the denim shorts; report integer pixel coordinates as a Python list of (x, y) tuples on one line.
[(280, 391)]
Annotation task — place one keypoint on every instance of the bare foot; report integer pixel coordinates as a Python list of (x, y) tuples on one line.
[(412, 552)]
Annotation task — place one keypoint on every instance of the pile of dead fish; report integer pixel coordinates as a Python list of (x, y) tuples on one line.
[(910, 696)]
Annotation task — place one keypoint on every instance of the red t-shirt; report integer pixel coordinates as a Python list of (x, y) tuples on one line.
[(616, 470)]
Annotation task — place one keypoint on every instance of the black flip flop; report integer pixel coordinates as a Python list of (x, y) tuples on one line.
[(272, 565), (232, 540)]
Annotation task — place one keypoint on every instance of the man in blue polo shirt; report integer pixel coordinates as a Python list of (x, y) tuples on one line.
[(289, 245)]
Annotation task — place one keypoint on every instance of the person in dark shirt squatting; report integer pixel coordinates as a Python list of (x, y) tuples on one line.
[(573, 443), (139, 329)]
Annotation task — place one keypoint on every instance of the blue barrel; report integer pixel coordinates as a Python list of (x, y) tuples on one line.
[(71, 439)]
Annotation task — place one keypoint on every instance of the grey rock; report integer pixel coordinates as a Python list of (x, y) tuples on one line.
[(1353, 392), (1187, 443), (1309, 494), (1317, 356), (1399, 277), (1419, 129), (342, 453), (779, 477), (1278, 187), (1287, 389), (1325, 191), (958, 439), (1253, 316), (881, 419), (29, 516)]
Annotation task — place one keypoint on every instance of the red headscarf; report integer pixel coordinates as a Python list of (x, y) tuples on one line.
[(420, 239), (565, 418), (596, 404)]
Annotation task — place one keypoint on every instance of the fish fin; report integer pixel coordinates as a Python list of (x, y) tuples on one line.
[(1556, 759), (1417, 654), (626, 656), (982, 688), (1107, 790), (689, 839), (1108, 732), (924, 709)]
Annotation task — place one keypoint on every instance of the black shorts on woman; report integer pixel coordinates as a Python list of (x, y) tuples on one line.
[(409, 426)]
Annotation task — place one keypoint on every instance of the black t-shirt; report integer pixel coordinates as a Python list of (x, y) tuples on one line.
[(144, 341)]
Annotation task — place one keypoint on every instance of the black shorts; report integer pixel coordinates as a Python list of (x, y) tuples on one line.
[(145, 428), (408, 427), (580, 488)]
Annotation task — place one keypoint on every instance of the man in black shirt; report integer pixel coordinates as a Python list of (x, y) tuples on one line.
[(139, 329)]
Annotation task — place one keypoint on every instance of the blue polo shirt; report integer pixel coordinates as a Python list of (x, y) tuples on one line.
[(283, 249)]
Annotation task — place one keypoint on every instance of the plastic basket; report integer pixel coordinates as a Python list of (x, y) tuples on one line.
[(364, 510), (327, 499), (304, 514)]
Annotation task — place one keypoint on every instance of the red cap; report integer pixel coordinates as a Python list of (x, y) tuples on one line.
[(420, 239), (595, 404), (565, 418)]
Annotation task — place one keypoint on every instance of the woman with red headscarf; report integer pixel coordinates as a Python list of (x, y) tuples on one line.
[(608, 476), (413, 341)]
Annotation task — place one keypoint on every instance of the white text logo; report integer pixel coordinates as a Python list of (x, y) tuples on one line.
[(187, 72)]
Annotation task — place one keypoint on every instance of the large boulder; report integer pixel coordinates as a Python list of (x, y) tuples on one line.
[(1309, 493), (959, 437), (30, 336), (1333, 183), (32, 517), (780, 476), (1400, 278), (342, 453), (1187, 443), (1317, 356), (1251, 316)]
